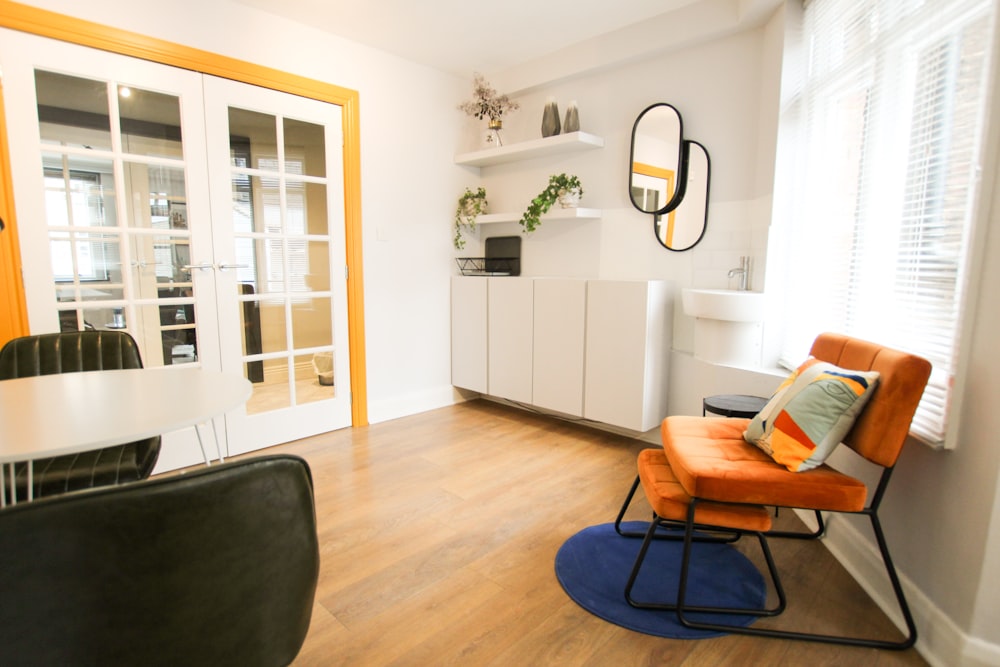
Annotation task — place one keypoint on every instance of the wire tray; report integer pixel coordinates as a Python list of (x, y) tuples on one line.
[(488, 266)]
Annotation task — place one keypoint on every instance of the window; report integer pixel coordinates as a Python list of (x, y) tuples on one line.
[(880, 142), (290, 237), (294, 225), (75, 200)]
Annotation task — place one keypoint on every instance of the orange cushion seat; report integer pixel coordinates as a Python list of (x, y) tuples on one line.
[(669, 500), (712, 461)]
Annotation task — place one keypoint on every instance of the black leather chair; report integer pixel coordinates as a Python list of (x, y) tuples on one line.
[(213, 567), (69, 352)]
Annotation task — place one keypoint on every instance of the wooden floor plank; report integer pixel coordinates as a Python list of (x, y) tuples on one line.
[(438, 536)]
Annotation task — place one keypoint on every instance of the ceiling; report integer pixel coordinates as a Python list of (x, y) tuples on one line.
[(463, 36)]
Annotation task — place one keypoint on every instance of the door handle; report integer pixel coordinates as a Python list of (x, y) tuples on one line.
[(225, 266), (204, 266)]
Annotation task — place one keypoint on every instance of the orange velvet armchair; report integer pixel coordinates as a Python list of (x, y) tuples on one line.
[(708, 477)]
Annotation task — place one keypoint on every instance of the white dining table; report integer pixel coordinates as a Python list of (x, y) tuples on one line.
[(67, 413)]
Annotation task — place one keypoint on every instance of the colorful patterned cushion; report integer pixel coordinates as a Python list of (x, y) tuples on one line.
[(810, 414)]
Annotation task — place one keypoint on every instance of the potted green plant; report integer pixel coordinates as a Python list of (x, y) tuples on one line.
[(470, 205), (563, 188)]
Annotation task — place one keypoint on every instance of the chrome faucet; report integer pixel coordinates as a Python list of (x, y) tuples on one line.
[(743, 271)]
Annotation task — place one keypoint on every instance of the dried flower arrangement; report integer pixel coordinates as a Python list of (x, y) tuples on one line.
[(487, 103)]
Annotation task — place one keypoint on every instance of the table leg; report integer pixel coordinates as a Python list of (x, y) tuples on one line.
[(13, 484), (218, 445), (12, 472), (201, 443), (204, 454)]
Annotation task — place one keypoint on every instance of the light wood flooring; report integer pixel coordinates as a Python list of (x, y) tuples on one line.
[(438, 534), (273, 394)]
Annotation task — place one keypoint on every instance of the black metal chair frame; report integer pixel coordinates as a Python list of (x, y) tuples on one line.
[(690, 537)]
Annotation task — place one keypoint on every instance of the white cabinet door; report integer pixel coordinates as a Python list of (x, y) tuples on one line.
[(557, 369), (510, 338), (627, 352), (468, 333)]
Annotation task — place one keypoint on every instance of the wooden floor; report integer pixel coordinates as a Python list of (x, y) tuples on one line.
[(438, 534)]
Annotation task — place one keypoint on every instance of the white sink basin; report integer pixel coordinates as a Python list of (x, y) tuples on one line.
[(724, 304)]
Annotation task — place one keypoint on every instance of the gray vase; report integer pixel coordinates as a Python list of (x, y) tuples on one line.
[(572, 123), (550, 119)]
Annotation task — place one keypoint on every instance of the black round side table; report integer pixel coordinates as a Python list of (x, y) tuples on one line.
[(733, 405)]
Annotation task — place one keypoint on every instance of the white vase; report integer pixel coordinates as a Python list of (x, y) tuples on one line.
[(472, 208), (569, 198)]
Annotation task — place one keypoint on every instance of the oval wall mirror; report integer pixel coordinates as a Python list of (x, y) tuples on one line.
[(656, 184), (683, 227)]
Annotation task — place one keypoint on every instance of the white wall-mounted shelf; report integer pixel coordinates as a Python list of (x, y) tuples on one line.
[(525, 150), (553, 214)]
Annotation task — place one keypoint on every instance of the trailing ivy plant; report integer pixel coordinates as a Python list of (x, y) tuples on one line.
[(470, 205), (558, 185)]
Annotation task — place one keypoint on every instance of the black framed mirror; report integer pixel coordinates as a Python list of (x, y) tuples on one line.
[(682, 228), (656, 183), (669, 177)]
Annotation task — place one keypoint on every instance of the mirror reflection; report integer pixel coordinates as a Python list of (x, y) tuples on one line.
[(683, 227), (656, 159), (669, 177)]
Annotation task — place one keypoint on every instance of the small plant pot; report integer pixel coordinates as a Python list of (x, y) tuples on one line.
[(471, 209), (569, 198)]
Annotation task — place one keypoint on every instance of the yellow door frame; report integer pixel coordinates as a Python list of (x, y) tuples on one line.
[(668, 176), (13, 309), (16, 16)]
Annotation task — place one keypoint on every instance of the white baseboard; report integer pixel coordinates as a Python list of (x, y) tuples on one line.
[(979, 653), (410, 404), (939, 640)]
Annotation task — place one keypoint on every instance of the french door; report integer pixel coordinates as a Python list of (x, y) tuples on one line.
[(278, 224), (203, 216)]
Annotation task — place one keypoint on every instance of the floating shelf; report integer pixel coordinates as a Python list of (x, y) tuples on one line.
[(553, 214), (525, 150)]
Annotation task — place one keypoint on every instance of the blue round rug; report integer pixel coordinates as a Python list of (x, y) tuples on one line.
[(593, 567)]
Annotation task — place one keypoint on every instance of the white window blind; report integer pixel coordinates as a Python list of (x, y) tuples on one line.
[(289, 230), (878, 176)]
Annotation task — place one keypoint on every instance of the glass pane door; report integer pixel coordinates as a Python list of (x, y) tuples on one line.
[(111, 189), (280, 233), (203, 216), (115, 209)]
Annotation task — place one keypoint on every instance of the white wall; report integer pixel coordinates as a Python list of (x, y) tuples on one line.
[(720, 89)]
